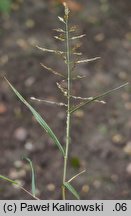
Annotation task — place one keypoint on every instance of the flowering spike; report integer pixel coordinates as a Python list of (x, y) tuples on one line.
[(51, 51), (87, 60), (79, 36), (73, 29), (59, 38), (59, 30), (48, 101), (63, 90), (66, 9), (61, 19), (51, 70)]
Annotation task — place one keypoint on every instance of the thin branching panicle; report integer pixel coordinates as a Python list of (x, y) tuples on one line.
[(71, 57)]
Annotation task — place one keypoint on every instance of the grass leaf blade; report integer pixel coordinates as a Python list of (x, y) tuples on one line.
[(96, 98), (39, 119), (72, 189), (33, 185), (9, 180)]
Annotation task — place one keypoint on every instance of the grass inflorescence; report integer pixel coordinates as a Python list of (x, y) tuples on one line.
[(71, 57)]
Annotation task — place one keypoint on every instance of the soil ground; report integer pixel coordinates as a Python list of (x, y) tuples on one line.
[(101, 133)]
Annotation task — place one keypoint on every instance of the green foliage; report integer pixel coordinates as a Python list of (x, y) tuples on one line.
[(18, 185), (9, 180), (71, 58), (39, 119), (71, 189), (5, 6), (32, 176)]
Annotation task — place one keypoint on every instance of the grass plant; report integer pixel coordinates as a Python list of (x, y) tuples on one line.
[(71, 57)]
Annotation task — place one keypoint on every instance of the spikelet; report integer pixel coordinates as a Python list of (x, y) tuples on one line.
[(78, 37), (87, 60), (61, 19), (52, 70), (51, 51), (60, 37), (63, 90), (59, 30), (49, 102)]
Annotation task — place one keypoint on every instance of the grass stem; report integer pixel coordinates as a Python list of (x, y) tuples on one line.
[(68, 121)]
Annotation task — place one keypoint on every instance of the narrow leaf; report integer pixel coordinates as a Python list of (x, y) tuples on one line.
[(33, 185), (96, 98), (87, 60), (71, 189), (52, 70), (77, 37), (9, 180), (61, 19), (39, 119)]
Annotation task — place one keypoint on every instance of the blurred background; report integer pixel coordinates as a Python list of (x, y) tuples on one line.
[(101, 133)]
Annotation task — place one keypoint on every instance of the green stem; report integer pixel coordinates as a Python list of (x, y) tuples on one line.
[(68, 110)]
